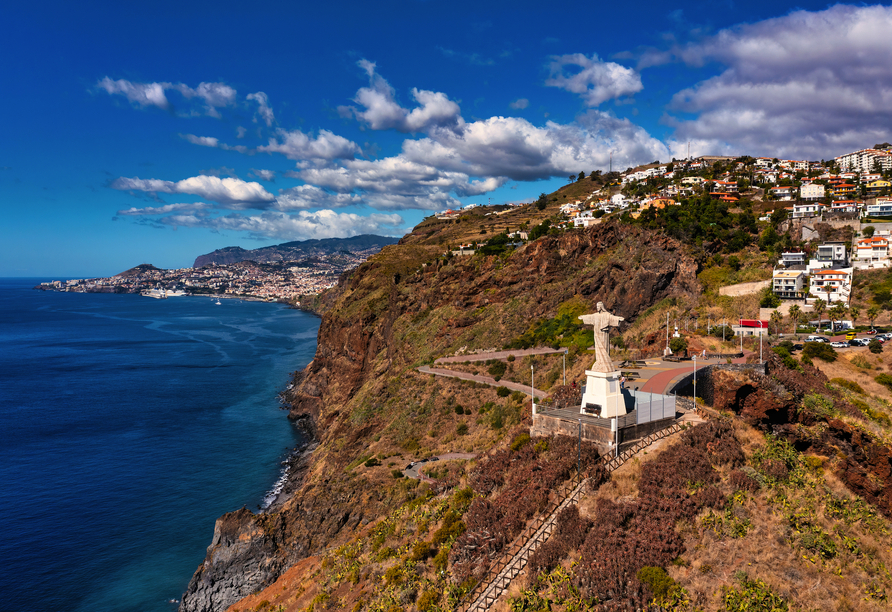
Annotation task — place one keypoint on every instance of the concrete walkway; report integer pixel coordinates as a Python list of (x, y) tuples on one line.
[(414, 472), (486, 380)]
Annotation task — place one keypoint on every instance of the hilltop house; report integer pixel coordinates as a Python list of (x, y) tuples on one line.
[(831, 285), (811, 191), (789, 284)]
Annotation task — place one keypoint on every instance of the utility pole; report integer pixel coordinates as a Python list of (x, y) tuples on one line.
[(533, 386), (667, 333), (579, 452), (565, 366), (695, 380)]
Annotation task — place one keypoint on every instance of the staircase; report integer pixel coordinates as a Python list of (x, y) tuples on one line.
[(514, 559)]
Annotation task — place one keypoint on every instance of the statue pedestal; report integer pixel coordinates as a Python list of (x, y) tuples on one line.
[(602, 395)]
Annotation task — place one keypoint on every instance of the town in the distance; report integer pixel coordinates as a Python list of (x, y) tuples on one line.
[(854, 188)]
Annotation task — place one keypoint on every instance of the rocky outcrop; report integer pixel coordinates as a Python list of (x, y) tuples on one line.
[(240, 560)]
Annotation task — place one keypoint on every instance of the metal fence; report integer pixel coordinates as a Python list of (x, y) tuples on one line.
[(653, 406)]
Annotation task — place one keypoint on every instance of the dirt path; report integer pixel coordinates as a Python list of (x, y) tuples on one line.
[(486, 380), (499, 355), (744, 288)]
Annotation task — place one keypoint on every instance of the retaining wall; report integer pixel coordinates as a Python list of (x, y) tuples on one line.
[(705, 390)]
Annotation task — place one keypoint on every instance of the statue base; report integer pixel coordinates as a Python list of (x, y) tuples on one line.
[(602, 396)]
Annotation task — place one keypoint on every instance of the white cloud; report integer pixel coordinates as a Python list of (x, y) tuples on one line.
[(382, 112), (142, 94), (210, 141), (304, 197), (214, 95), (265, 175), (299, 146), (264, 110), (520, 104), (233, 192), (300, 226), (596, 81), (164, 210), (809, 84)]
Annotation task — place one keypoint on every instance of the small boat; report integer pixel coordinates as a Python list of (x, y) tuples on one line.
[(218, 302)]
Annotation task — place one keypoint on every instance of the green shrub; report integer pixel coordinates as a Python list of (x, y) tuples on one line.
[(875, 346), (441, 560), (845, 383), (885, 380), (520, 441), (497, 369), (786, 357), (452, 528), (821, 350), (372, 462), (503, 392), (678, 345), (462, 429), (420, 551), (511, 357), (396, 473), (754, 596), (459, 409), (660, 583), (819, 405), (428, 600)]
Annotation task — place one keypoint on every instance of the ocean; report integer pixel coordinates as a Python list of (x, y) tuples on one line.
[(127, 426)]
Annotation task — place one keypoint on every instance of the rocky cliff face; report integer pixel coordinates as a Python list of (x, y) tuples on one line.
[(404, 306)]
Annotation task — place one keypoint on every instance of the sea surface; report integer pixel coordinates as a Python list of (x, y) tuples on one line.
[(127, 426)]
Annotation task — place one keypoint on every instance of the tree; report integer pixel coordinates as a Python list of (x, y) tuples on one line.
[(678, 345), (542, 202), (571, 178), (581, 176), (868, 231), (776, 318), (819, 307), (769, 299), (795, 314), (836, 312), (872, 313), (854, 311)]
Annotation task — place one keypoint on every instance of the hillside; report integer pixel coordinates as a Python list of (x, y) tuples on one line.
[(356, 535), (363, 245)]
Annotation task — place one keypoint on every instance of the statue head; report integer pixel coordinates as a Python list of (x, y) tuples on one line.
[(600, 307)]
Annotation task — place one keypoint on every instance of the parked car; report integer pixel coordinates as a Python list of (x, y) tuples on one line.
[(871, 331), (816, 339), (839, 344), (860, 342)]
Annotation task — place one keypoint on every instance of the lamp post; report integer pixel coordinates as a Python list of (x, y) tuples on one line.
[(579, 451), (564, 356), (695, 380), (533, 386)]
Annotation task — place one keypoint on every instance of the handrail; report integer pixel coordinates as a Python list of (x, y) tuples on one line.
[(514, 554)]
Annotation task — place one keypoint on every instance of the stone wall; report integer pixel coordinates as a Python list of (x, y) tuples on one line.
[(602, 437), (705, 390)]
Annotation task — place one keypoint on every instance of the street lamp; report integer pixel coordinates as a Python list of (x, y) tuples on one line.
[(695, 380), (533, 386), (565, 365)]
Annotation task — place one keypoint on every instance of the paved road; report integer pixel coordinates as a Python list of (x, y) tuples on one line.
[(499, 355), (486, 380)]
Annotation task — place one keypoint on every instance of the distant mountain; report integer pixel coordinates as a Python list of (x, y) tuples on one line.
[(139, 270), (365, 244)]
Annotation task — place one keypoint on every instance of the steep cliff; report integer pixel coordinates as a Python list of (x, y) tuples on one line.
[(404, 307)]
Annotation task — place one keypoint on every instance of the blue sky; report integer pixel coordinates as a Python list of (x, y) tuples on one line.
[(157, 132)]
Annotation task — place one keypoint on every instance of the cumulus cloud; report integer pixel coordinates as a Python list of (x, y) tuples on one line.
[(264, 110), (299, 226), (299, 146), (304, 197), (520, 104), (214, 95), (210, 141), (809, 84), (595, 81), (382, 112), (233, 192)]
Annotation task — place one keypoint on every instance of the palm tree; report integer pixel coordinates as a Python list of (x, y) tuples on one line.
[(819, 307), (795, 314), (854, 311), (872, 313), (836, 312), (776, 318)]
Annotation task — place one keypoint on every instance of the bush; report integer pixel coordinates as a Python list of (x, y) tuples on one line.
[(768, 299), (510, 357), (459, 409), (396, 473), (372, 462), (678, 345), (503, 392), (821, 350), (428, 600), (885, 380), (787, 358), (497, 369), (520, 441), (660, 583), (420, 551), (875, 346), (845, 383), (462, 429)]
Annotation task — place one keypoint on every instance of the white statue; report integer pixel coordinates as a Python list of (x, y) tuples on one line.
[(603, 321)]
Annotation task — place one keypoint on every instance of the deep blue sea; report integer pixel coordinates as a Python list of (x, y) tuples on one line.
[(127, 426)]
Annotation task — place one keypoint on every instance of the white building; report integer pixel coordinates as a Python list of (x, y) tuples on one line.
[(811, 191), (874, 249), (865, 160), (831, 285), (801, 211), (882, 208), (792, 260), (788, 284)]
